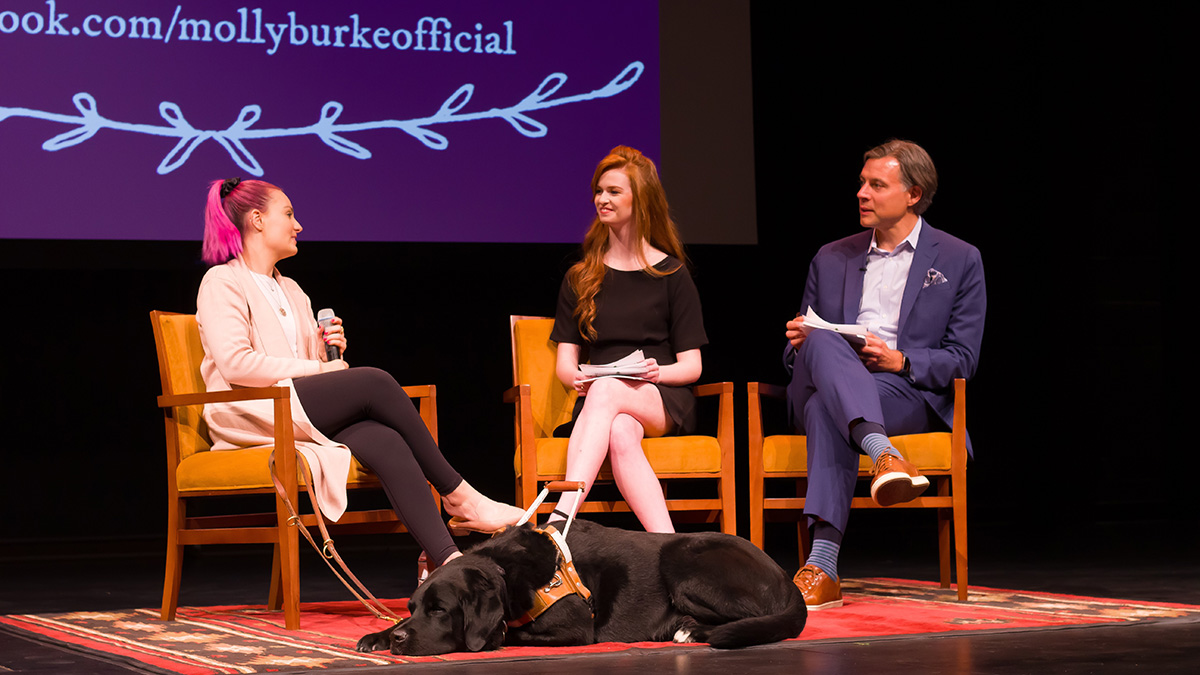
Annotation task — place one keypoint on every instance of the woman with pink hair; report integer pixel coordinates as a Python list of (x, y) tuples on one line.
[(257, 329)]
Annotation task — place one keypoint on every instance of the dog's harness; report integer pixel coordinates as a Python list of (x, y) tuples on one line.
[(566, 581)]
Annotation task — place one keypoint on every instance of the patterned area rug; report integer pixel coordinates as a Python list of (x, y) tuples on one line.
[(249, 639)]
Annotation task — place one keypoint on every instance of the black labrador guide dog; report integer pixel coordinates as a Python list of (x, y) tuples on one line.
[(701, 587)]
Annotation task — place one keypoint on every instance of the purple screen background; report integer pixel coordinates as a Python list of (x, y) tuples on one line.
[(490, 184)]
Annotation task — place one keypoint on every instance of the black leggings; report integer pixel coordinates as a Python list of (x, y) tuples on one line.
[(365, 409)]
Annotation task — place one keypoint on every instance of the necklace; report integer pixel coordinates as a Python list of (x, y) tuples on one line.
[(271, 288)]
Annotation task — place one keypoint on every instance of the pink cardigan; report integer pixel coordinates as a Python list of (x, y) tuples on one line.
[(244, 346)]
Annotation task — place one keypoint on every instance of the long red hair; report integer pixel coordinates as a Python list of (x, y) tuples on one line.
[(652, 223)]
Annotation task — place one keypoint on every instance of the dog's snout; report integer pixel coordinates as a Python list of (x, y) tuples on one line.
[(399, 637)]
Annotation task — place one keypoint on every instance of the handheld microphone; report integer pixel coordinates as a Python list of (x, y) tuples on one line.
[(324, 320)]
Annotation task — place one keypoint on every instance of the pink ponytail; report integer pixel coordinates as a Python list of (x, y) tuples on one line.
[(224, 216)]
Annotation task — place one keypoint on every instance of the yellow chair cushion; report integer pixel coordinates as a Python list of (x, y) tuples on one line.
[(552, 404), (238, 470), (928, 452), (669, 455)]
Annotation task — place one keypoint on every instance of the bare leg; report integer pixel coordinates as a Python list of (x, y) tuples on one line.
[(635, 478), (589, 444)]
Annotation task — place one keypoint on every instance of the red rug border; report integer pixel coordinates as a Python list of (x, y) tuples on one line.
[(42, 629)]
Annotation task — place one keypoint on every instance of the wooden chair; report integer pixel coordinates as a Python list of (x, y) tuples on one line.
[(194, 472), (543, 403), (942, 456)]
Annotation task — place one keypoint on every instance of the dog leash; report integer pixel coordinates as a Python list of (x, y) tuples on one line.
[(327, 550)]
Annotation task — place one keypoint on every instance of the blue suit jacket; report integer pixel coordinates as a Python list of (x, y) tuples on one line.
[(941, 324)]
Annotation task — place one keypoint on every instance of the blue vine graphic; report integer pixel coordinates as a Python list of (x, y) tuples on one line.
[(89, 121)]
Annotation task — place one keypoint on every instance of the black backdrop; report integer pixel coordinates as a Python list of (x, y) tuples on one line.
[(1049, 136)]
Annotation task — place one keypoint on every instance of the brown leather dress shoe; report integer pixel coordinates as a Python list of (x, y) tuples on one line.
[(820, 590), (896, 481)]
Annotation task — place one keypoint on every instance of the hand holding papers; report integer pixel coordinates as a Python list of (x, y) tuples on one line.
[(854, 334), (630, 368)]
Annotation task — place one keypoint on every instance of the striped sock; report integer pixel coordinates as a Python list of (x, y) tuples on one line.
[(824, 555), (876, 445)]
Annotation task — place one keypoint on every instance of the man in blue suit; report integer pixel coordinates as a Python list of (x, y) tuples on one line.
[(920, 295)]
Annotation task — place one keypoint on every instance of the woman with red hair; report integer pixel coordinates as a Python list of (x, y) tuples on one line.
[(257, 329), (632, 290)]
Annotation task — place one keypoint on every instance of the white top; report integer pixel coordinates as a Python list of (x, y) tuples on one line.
[(278, 299)]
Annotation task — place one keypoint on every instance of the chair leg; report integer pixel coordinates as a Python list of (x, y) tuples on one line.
[(945, 520), (174, 570), (960, 540), (728, 505), (803, 537), (757, 511), (275, 600), (289, 568)]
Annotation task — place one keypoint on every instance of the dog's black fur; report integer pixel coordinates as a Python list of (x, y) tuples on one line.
[(704, 587)]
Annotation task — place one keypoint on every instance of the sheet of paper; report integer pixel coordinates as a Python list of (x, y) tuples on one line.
[(629, 366), (853, 333)]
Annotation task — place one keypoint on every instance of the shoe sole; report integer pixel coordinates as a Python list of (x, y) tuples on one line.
[(897, 487), (832, 604), (461, 528)]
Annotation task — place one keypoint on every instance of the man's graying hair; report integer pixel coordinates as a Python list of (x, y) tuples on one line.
[(916, 168)]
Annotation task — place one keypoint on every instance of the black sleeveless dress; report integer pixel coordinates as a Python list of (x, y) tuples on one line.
[(659, 315)]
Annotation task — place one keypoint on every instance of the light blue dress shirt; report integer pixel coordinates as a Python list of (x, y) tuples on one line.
[(883, 286)]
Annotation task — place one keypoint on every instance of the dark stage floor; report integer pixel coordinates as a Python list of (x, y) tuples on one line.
[(1165, 566)]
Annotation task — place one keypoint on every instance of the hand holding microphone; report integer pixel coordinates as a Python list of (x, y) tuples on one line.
[(331, 324)]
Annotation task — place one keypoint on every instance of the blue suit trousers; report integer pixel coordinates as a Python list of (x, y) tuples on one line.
[(829, 389)]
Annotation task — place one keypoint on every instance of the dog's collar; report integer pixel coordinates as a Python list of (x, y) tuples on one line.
[(565, 582)]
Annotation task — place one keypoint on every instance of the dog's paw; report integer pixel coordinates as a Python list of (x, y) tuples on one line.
[(374, 642), (683, 635), (687, 630)]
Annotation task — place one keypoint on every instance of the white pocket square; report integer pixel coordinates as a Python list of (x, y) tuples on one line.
[(933, 278)]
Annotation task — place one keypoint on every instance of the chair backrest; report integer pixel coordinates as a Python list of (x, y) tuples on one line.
[(534, 360), (177, 338)]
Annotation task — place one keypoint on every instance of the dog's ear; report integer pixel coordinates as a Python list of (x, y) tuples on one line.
[(483, 612)]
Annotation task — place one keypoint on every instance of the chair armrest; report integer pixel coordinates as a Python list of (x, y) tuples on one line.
[(513, 393), (283, 437), (247, 394), (257, 393), (713, 389), (420, 390), (769, 390)]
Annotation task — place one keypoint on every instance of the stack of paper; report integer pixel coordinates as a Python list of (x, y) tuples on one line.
[(854, 334), (630, 368)]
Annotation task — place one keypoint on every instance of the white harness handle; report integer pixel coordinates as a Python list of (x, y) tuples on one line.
[(557, 486)]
